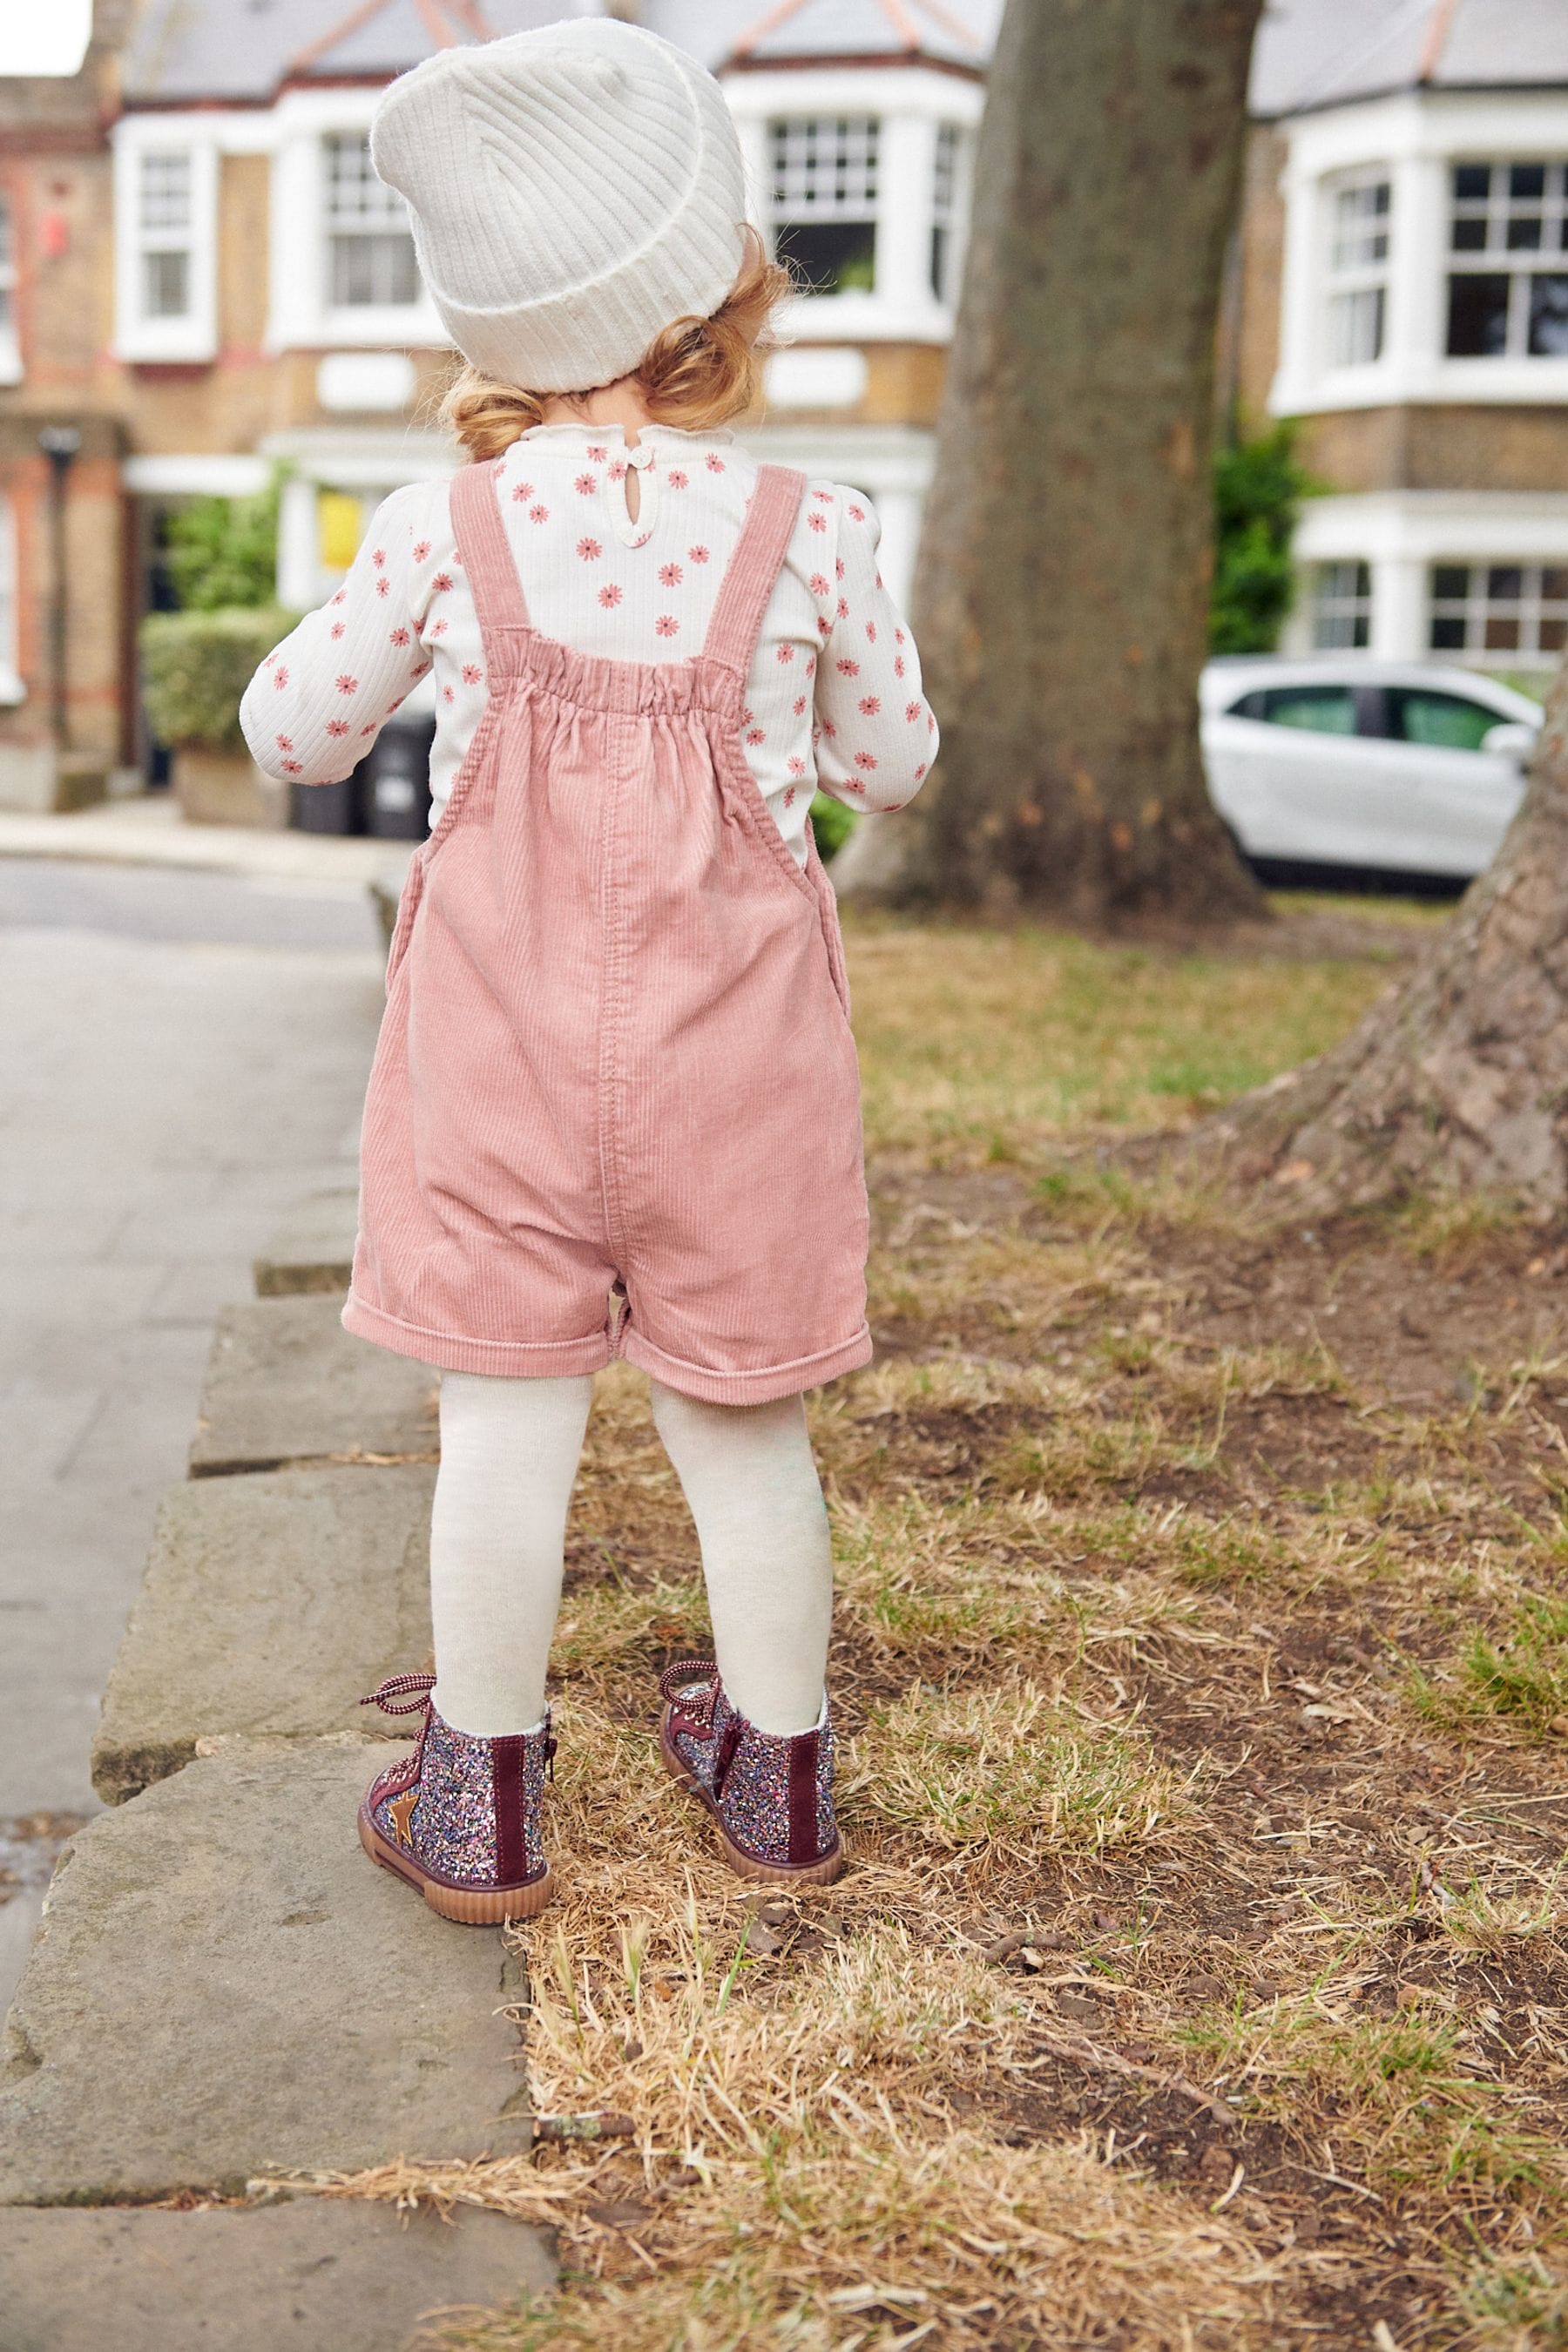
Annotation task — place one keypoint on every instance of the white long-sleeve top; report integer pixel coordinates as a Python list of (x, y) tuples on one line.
[(833, 694)]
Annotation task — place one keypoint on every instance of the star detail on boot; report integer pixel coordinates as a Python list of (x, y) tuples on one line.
[(400, 1813)]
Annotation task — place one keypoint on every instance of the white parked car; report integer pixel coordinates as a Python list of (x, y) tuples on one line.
[(1400, 767)]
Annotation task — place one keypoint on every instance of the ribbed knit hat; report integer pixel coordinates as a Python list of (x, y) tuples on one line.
[(574, 191)]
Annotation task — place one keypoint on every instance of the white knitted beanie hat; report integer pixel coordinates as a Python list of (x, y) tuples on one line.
[(574, 191)]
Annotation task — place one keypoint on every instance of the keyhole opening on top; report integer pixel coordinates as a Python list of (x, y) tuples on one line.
[(632, 486)]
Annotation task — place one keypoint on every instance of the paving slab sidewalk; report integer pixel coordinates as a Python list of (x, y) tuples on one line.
[(314, 1247), (319, 2275), (286, 1384), (223, 1987), (270, 1605)]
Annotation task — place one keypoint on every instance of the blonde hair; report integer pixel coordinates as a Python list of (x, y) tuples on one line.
[(697, 373)]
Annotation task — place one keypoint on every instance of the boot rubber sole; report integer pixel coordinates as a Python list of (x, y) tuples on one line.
[(471, 1906), (744, 1864)]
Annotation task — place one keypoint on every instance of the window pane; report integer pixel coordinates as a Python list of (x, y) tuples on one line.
[(1472, 181), (1249, 706), (1554, 635), (1478, 316), (1555, 583), (1524, 233), (165, 285), (1444, 720), (1356, 327), (1448, 633), (1528, 180), (165, 192), (370, 272), (354, 195), (1322, 710), (1471, 233), (832, 256), (1549, 317), (822, 165), (1505, 583), (1502, 635), (1450, 580)]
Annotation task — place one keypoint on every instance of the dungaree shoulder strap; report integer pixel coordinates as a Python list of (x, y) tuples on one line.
[(485, 556), (755, 565)]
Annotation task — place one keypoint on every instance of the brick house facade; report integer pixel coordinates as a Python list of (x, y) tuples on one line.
[(201, 279)]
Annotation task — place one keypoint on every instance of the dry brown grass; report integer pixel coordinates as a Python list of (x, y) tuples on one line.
[(1201, 1975)]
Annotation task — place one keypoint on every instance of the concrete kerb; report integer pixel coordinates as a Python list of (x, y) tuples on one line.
[(287, 1385), (222, 1991), (321, 2274), (312, 1249), (222, 1988), (270, 1605)]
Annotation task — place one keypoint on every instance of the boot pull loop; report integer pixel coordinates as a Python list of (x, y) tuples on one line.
[(414, 1688)]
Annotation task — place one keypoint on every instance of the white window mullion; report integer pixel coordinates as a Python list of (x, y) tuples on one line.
[(905, 193)]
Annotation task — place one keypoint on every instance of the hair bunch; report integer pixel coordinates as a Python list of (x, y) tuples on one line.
[(697, 373)]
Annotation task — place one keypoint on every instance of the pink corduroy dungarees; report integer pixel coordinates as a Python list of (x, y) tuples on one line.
[(615, 1107)]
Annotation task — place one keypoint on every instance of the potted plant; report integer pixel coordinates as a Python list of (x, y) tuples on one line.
[(194, 667)]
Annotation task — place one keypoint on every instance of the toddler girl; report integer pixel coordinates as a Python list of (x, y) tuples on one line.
[(614, 1106)]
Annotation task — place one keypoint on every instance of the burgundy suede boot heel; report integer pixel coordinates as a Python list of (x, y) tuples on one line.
[(458, 1818), (771, 1796)]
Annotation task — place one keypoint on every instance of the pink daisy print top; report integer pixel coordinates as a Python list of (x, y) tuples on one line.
[(834, 696)]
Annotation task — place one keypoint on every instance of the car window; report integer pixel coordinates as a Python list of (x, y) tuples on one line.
[(1249, 706), (1419, 715), (1322, 710)]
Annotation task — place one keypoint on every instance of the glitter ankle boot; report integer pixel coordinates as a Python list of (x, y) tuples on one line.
[(771, 1796), (459, 1817)]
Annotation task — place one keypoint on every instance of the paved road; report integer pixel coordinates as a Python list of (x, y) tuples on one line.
[(181, 1056)]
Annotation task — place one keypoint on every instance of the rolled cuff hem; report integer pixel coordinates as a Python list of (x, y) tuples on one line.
[(519, 1359), (765, 1386)]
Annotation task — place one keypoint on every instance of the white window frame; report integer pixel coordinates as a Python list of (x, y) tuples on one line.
[(1352, 278), (1530, 607), (953, 181), (12, 689), (1417, 137), (911, 103), (1336, 599), (192, 334), (302, 316), (851, 147), (10, 332), (1497, 258)]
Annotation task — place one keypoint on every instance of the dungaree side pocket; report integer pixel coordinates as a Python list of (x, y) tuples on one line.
[(827, 909), (407, 907)]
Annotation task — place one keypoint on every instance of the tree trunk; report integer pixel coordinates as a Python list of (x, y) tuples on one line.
[(1062, 594), (1458, 1078)]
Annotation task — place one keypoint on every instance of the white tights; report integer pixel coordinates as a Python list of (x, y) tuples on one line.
[(509, 1458)]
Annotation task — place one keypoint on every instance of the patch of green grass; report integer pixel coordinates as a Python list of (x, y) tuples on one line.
[(1410, 2115), (1516, 2305), (977, 1044), (1011, 1768), (1523, 1677)]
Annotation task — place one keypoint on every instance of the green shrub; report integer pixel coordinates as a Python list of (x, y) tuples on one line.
[(196, 667), (1258, 486), (832, 824), (222, 552)]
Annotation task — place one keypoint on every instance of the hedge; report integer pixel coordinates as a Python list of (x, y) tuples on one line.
[(196, 667)]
